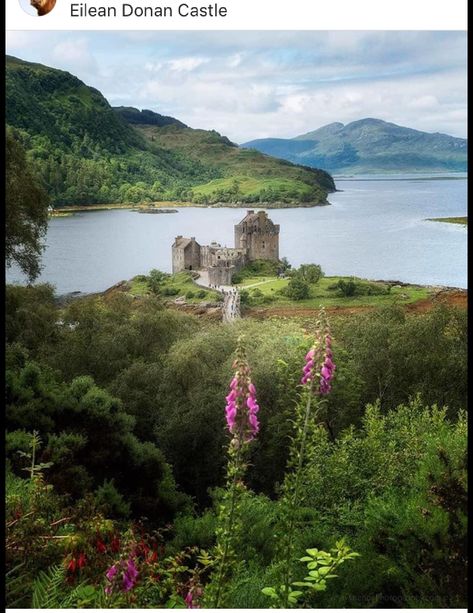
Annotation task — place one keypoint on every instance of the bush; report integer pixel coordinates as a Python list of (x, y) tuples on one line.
[(170, 291), (190, 294), (297, 289), (201, 294), (347, 288)]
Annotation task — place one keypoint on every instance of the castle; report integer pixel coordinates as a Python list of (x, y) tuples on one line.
[(256, 238)]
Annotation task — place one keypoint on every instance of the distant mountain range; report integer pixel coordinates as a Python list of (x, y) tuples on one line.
[(369, 146), (87, 152)]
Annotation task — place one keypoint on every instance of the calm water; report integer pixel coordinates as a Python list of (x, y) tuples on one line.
[(375, 229)]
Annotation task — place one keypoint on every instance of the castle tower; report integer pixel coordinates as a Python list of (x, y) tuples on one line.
[(259, 236), (185, 254)]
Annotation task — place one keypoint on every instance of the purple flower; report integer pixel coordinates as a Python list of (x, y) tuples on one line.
[(242, 406), (319, 367), (111, 572), (129, 576), (128, 573)]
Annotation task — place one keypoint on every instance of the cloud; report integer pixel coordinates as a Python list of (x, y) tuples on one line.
[(187, 64), (256, 84)]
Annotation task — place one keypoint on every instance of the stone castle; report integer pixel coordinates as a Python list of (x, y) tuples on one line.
[(256, 238)]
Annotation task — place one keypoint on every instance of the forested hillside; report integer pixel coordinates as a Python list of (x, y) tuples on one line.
[(86, 152)]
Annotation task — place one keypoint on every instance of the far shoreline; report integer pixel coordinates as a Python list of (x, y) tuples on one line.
[(65, 210)]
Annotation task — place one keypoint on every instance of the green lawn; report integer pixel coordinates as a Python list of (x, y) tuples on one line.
[(322, 294)]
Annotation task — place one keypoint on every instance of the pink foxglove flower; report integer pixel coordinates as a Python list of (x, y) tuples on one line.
[(242, 406), (122, 575), (319, 367)]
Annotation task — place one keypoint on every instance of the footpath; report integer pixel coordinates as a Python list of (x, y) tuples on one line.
[(231, 297)]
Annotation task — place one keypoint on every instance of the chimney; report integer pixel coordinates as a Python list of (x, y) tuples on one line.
[(249, 212), (192, 238)]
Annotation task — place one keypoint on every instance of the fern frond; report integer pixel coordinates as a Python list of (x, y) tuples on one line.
[(47, 588)]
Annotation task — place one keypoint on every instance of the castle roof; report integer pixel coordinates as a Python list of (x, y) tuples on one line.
[(183, 242), (258, 218)]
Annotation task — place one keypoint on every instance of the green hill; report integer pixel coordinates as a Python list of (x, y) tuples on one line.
[(369, 145), (87, 152)]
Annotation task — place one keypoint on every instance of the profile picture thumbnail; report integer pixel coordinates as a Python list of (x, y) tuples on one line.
[(37, 7)]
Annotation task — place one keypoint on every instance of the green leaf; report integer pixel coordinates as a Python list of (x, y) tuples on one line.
[(269, 591)]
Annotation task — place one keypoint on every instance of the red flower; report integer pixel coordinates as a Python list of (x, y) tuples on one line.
[(153, 557), (71, 567), (100, 546), (81, 562), (115, 544)]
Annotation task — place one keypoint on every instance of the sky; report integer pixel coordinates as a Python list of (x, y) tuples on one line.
[(249, 85)]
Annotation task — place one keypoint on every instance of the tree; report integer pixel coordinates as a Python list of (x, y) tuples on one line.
[(310, 273), (26, 216)]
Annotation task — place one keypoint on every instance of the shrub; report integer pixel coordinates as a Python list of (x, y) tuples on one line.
[(347, 288), (170, 291), (297, 289)]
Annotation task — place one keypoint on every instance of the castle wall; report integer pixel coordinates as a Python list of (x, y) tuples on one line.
[(221, 275)]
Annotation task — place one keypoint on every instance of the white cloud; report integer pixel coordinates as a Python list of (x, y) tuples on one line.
[(187, 64), (256, 84)]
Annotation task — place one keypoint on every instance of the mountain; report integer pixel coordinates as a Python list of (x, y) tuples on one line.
[(87, 152), (369, 145)]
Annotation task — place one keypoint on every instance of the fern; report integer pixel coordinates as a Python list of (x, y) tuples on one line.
[(15, 586), (47, 588), (49, 592)]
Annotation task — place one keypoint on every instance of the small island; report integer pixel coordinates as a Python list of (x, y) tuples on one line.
[(457, 220), (157, 210)]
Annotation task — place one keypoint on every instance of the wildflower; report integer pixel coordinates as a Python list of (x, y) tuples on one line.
[(71, 567), (82, 560), (111, 572), (115, 544), (100, 546), (122, 575), (319, 367), (242, 407), (192, 597), (188, 600), (129, 576)]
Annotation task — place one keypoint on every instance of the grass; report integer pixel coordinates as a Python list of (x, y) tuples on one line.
[(182, 282), (322, 294), (458, 220), (252, 186)]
